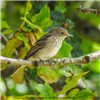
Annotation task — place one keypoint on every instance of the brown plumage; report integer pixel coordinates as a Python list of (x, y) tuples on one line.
[(47, 46)]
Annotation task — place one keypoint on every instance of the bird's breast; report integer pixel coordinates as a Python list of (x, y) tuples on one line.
[(51, 49)]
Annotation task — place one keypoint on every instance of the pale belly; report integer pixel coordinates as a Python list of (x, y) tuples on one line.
[(48, 52)]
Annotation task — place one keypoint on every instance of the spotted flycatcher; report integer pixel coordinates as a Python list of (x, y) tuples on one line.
[(47, 46)]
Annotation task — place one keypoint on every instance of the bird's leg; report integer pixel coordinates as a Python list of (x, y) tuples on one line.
[(41, 60), (51, 60)]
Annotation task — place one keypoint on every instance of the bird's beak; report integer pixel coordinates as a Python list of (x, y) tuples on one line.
[(69, 35)]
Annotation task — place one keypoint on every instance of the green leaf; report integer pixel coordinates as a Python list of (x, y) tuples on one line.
[(72, 94), (85, 95), (25, 97), (42, 18), (22, 37), (71, 84), (45, 90), (7, 31), (4, 24), (60, 7), (64, 50), (69, 23), (45, 23), (81, 95), (26, 29), (33, 26), (62, 72), (83, 79), (9, 50), (25, 49), (47, 74), (28, 6), (75, 42), (58, 16)]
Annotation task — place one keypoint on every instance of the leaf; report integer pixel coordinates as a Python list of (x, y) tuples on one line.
[(62, 72), (22, 37), (69, 23), (22, 53), (83, 79), (25, 97), (60, 7), (72, 94), (44, 21), (64, 50), (56, 15), (9, 49), (75, 42), (28, 6), (72, 83), (45, 90), (19, 76), (3, 97), (85, 95), (7, 31), (47, 74), (4, 24), (26, 29), (29, 24)]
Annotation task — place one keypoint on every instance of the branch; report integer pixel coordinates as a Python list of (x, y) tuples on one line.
[(88, 11), (54, 62)]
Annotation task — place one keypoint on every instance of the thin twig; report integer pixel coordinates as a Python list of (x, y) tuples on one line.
[(88, 11), (63, 61), (28, 83), (33, 77)]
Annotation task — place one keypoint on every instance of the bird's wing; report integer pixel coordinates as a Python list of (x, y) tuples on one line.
[(37, 46)]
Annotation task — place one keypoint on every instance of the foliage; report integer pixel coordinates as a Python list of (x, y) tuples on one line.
[(38, 20)]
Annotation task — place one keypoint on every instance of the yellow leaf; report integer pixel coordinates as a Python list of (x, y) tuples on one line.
[(19, 76)]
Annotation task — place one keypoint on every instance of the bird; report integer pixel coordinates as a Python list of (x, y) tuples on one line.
[(47, 46)]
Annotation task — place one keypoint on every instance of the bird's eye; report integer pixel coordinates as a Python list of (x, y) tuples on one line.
[(62, 33)]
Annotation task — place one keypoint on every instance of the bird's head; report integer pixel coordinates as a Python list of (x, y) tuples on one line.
[(60, 33)]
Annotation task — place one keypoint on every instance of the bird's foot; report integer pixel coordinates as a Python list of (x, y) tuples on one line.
[(41, 60), (52, 60)]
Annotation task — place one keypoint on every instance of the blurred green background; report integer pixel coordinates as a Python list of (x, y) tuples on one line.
[(86, 40)]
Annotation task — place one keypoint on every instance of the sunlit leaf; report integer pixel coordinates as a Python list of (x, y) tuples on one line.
[(72, 83), (64, 50), (25, 97), (22, 37), (26, 29), (29, 24), (9, 49), (19, 76), (62, 72), (45, 90), (4, 24), (85, 94), (7, 31), (28, 6), (71, 95), (44, 19), (49, 75)]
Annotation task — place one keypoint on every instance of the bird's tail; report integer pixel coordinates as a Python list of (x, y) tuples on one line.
[(18, 68)]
